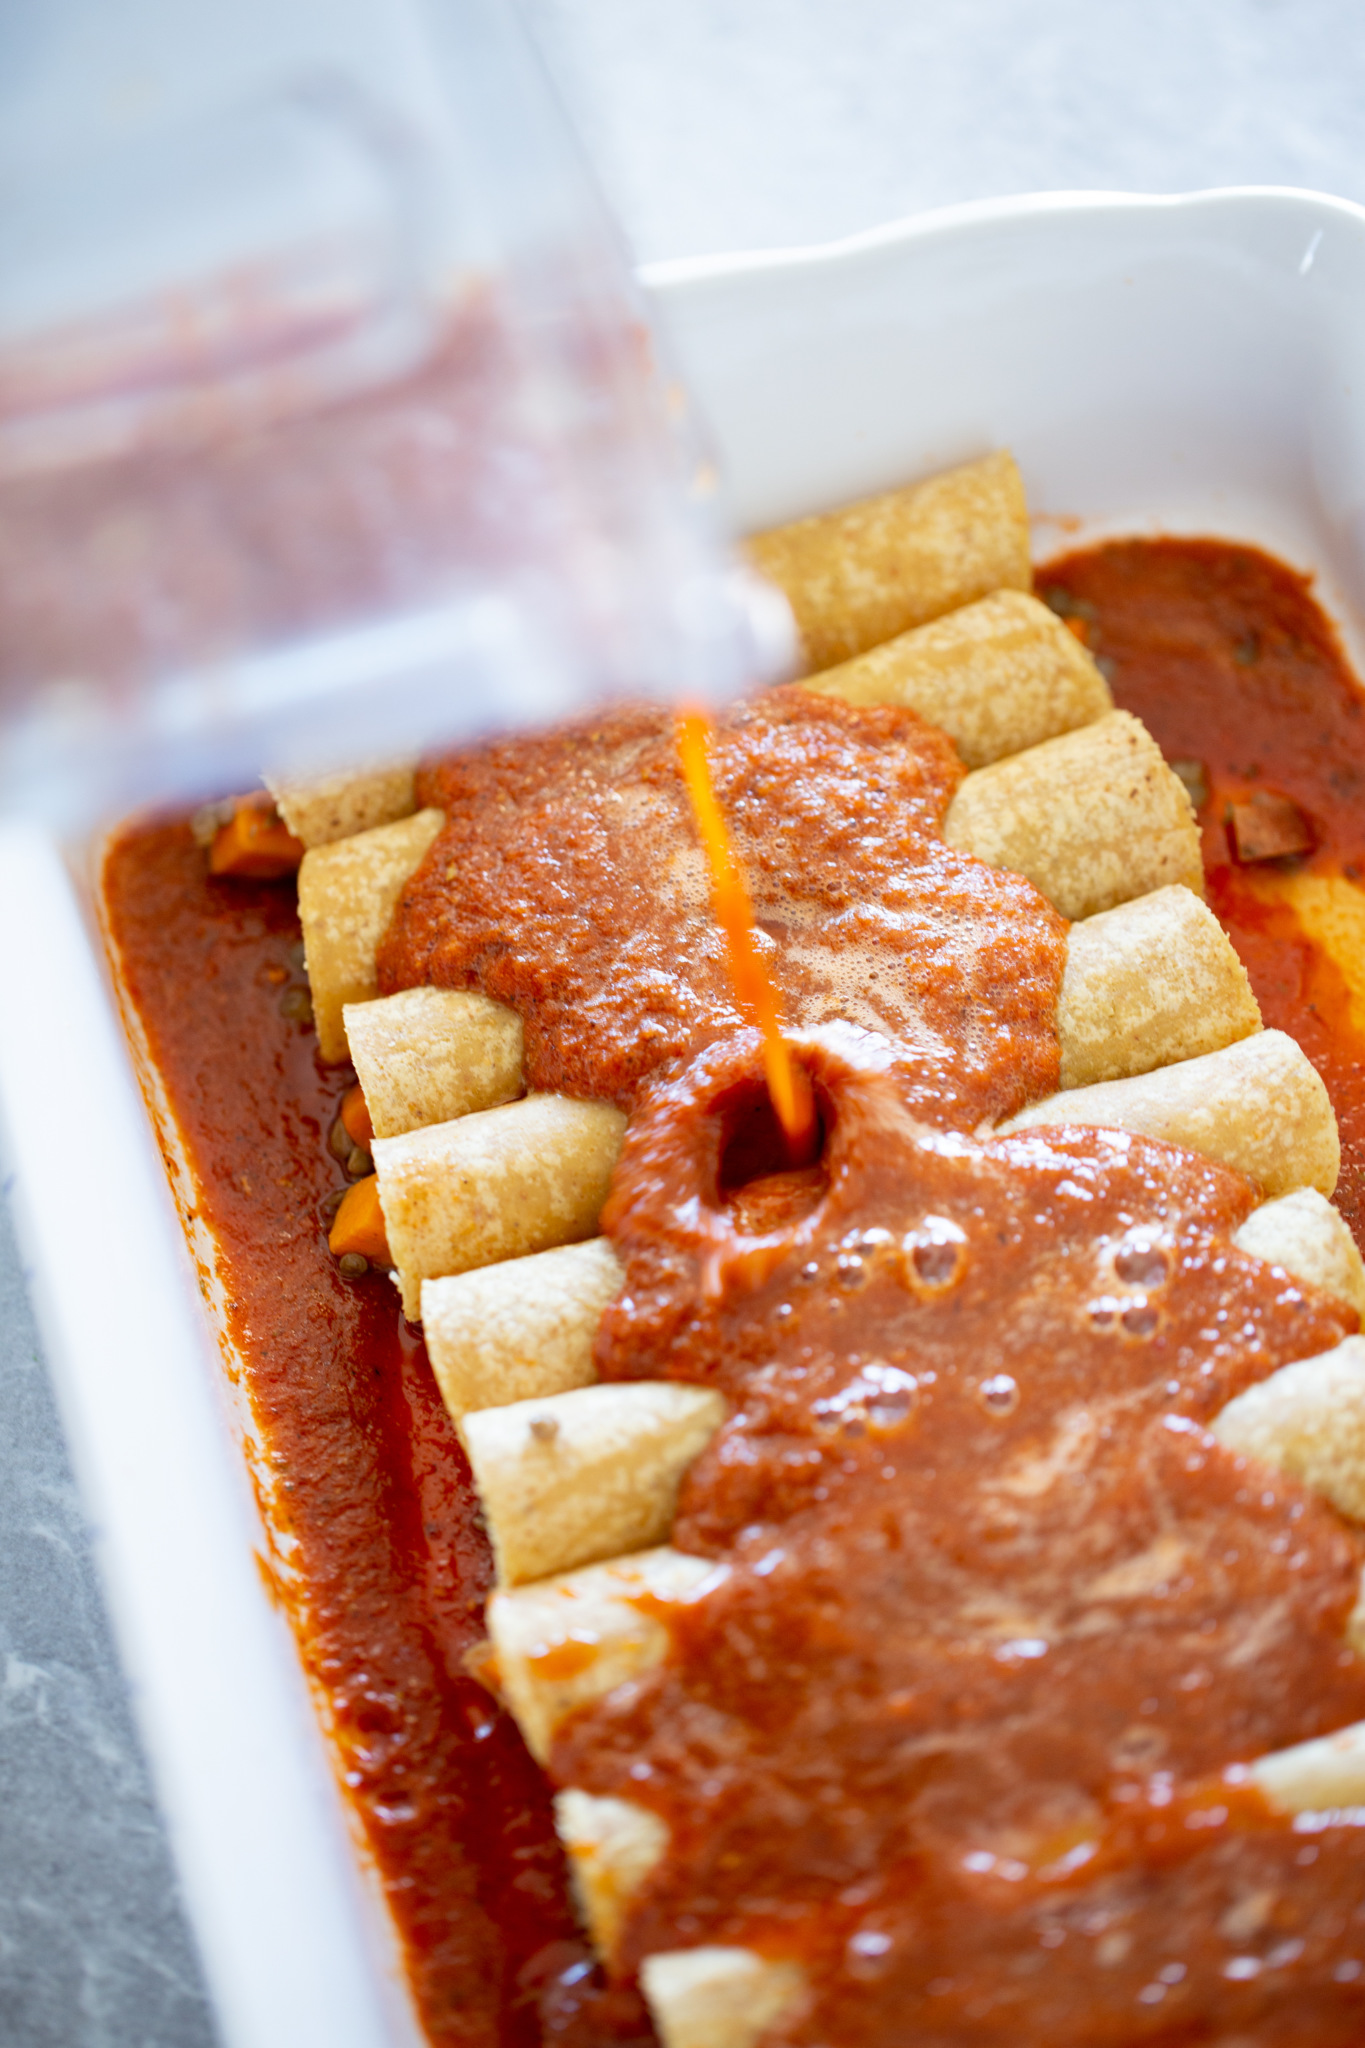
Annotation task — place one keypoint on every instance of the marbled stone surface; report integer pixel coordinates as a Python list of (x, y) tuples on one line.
[(713, 126), (93, 1945)]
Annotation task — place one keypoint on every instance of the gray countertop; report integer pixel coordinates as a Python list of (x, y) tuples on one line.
[(713, 127)]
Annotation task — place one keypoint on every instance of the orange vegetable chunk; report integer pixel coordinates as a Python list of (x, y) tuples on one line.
[(753, 985), (359, 1224), (355, 1115), (254, 846)]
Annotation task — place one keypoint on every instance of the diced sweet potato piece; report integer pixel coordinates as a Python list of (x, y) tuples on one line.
[(254, 846), (355, 1115), (359, 1225)]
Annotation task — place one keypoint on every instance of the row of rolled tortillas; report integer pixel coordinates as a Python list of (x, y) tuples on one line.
[(1093, 817), (491, 1196), (861, 580), (1160, 1034)]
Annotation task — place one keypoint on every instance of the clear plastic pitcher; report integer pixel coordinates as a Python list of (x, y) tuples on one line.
[(331, 422)]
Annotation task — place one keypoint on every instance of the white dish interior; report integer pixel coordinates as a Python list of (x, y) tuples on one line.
[(1183, 365), (1155, 364)]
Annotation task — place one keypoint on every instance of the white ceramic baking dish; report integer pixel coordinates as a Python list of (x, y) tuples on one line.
[(1182, 364)]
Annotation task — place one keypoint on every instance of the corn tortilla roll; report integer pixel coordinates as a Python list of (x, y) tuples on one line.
[(612, 1845), (338, 806), (859, 576), (1320, 1776), (997, 676), (1092, 819), (496, 1184), (1308, 1419), (718, 1997), (564, 1642), (1258, 1105), (429, 1054), (1153, 982), (1308, 1237), (586, 1475), (347, 894), (520, 1329)]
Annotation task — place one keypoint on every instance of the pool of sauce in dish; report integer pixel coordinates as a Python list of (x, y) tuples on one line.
[(381, 1559), (1229, 660), (380, 1555)]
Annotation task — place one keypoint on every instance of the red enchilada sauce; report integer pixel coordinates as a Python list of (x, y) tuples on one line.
[(1232, 665), (986, 1797), (568, 883), (381, 1557)]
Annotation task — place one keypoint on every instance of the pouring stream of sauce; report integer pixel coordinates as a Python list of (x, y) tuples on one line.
[(787, 1083)]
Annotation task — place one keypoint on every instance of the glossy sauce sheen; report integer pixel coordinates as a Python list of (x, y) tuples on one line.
[(1040, 1671), (569, 883)]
